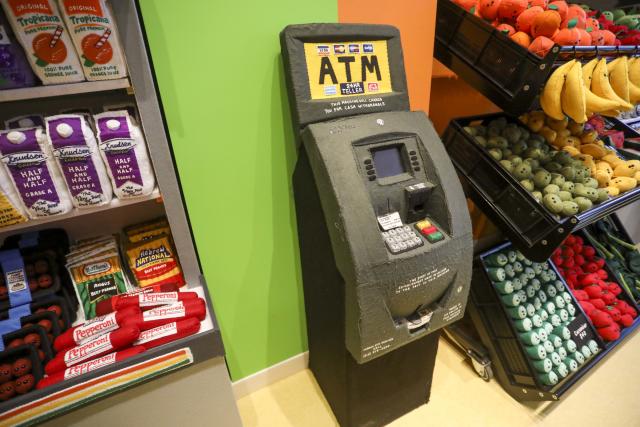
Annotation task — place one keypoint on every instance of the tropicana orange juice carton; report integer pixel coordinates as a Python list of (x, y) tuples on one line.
[(40, 30), (95, 37)]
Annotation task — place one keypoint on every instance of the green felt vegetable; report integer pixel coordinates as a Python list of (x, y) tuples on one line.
[(517, 313), (530, 338), (549, 378), (536, 352), (544, 365)]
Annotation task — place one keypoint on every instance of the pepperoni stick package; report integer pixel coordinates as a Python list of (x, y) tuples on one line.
[(101, 345), (89, 366), (167, 333), (109, 305), (95, 327), (172, 313), (148, 301)]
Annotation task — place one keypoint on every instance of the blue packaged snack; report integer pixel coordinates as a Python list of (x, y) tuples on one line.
[(15, 71), (15, 277)]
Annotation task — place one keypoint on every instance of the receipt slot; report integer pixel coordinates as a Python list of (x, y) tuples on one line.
[(384, 230)]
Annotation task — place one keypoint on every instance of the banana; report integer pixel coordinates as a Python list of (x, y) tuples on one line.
[(634, 71), (634, 93), (600, 86), (573, 95), (550, 99), (595, 103), (619, 77), (634, 88)]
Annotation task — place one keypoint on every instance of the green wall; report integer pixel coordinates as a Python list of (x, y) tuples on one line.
[(220, 78)]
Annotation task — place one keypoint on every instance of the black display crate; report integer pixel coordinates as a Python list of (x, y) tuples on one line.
[(532, 228), (502, 70), (509, 362)]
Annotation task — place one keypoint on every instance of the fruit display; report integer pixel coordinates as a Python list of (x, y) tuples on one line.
[(601, 298), (565, 184), (541, 310), (539, 24), (621, 256), (578, 91)]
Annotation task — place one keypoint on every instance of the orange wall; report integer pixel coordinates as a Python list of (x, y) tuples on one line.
[(416, 21)]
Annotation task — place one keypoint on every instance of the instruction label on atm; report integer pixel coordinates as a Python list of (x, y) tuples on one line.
[(347, 68), (389, 221), (421, 280)]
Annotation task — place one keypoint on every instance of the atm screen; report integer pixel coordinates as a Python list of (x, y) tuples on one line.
[(388, 161)]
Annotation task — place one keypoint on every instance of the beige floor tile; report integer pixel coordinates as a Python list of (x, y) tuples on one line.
[(608, 395)]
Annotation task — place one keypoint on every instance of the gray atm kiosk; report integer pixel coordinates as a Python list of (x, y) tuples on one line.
[(385, 235)]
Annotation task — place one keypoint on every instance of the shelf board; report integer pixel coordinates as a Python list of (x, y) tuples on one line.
[(114, 204), (63, 89)]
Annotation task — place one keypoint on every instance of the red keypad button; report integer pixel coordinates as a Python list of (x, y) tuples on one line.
[(429, 230)]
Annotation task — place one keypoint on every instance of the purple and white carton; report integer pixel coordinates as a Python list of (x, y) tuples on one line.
[(125, 154), (30, 165), (76, 152), (27, 121)]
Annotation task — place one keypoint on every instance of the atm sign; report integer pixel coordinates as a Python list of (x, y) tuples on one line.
[(347, 69)]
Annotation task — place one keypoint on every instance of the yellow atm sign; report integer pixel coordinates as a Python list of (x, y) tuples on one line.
[(341, 69)]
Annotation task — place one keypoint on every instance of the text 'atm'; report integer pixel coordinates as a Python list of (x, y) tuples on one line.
[(384, 230)]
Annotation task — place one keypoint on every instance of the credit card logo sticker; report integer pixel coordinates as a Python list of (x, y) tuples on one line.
[(339, 49), (367, 48), (354, 48), (330, 90), (323, 50)]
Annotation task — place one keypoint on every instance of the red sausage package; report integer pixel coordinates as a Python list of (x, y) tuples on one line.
[(147, 301), (95, 327), (89, 366), (172, 313), (101, 345), (107, 306), (167, 333)]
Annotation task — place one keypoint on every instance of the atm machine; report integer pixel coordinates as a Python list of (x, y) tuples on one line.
[(384, 231)]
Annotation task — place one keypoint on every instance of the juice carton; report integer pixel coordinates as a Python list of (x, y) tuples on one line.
[(39, 27), (95, 37)]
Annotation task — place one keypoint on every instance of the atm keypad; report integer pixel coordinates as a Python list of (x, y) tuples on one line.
[(429, 231), (401, 239)]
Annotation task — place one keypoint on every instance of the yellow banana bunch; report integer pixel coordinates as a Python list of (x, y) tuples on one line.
[(550, 99), (595, 103), (601, 86)]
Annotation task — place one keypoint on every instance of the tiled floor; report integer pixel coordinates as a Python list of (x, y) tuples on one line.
[(608, 395)]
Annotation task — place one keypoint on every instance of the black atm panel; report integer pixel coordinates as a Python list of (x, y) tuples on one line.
[(400, 230)]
